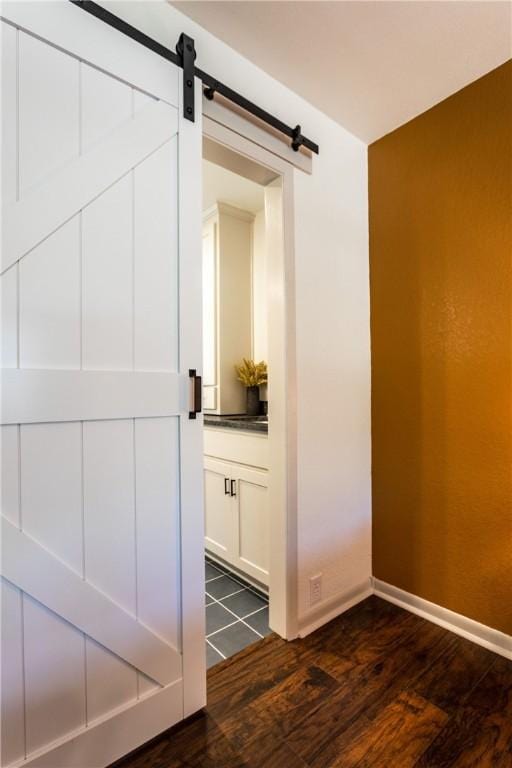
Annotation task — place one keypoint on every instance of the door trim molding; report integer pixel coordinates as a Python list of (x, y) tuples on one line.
[(248, 128), (240, 137)]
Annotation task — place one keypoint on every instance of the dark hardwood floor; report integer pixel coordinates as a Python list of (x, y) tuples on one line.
[(376, 687)]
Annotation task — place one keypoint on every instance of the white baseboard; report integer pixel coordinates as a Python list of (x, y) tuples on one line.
[(334, 606), (489, 638), (495, 641)]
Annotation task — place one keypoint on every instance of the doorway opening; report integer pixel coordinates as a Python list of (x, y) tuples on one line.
[(244, 424)]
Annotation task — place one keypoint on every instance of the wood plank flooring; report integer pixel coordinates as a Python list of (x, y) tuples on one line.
[(378, 687)]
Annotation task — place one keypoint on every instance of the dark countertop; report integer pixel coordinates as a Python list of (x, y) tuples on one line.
[(250, 423)]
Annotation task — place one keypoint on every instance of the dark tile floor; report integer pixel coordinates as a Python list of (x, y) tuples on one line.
[(236, 613)]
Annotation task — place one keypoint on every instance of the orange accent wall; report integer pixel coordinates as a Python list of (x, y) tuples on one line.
[(440, 203)]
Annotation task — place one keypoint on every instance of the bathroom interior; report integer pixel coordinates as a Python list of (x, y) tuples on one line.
[(235, 401)]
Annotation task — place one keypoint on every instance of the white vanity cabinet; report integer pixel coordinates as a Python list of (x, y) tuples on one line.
[(236, 504)]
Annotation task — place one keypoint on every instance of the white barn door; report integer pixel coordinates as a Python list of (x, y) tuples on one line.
[(102, 598)]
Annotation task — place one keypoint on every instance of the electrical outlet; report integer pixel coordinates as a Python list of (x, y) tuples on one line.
[(315, 589)]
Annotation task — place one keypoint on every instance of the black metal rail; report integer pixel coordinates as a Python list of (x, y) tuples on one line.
[(212, 85)]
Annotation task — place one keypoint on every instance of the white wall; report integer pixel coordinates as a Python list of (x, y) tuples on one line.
[(221, 184), (333, 335), (259, 289)]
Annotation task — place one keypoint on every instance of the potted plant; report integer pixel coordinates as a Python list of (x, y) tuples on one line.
[(252, 375)]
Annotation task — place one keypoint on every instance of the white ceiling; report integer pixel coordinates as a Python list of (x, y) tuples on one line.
[(221, 184), (371, 66)]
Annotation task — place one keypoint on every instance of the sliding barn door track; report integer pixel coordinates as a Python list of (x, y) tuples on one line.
[(184, 57)]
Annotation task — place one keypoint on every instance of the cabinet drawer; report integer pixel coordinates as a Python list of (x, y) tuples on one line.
[(237, 446)]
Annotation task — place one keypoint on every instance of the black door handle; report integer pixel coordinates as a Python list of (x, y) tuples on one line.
[(197, 393), (226, 486), (233, 487)]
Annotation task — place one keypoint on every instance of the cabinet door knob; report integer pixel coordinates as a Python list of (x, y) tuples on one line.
[(226, 486), (233, 487)]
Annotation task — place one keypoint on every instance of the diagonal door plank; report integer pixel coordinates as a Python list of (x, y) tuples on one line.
[(29, 221), (40, 574)]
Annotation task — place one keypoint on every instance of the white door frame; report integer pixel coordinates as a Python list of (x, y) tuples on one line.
[(251, 142)]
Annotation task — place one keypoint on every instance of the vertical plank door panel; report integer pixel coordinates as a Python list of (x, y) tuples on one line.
[(109, 513), (107, 279), (50, 301), (102, 666), (9, 317), (158, 550), (54, 675), (109, 526), (9, 80), (51, 500), (48, 110), (12, 699), (105, 104), (13, 703), (10, 486), (51, 489), (156, 261)]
